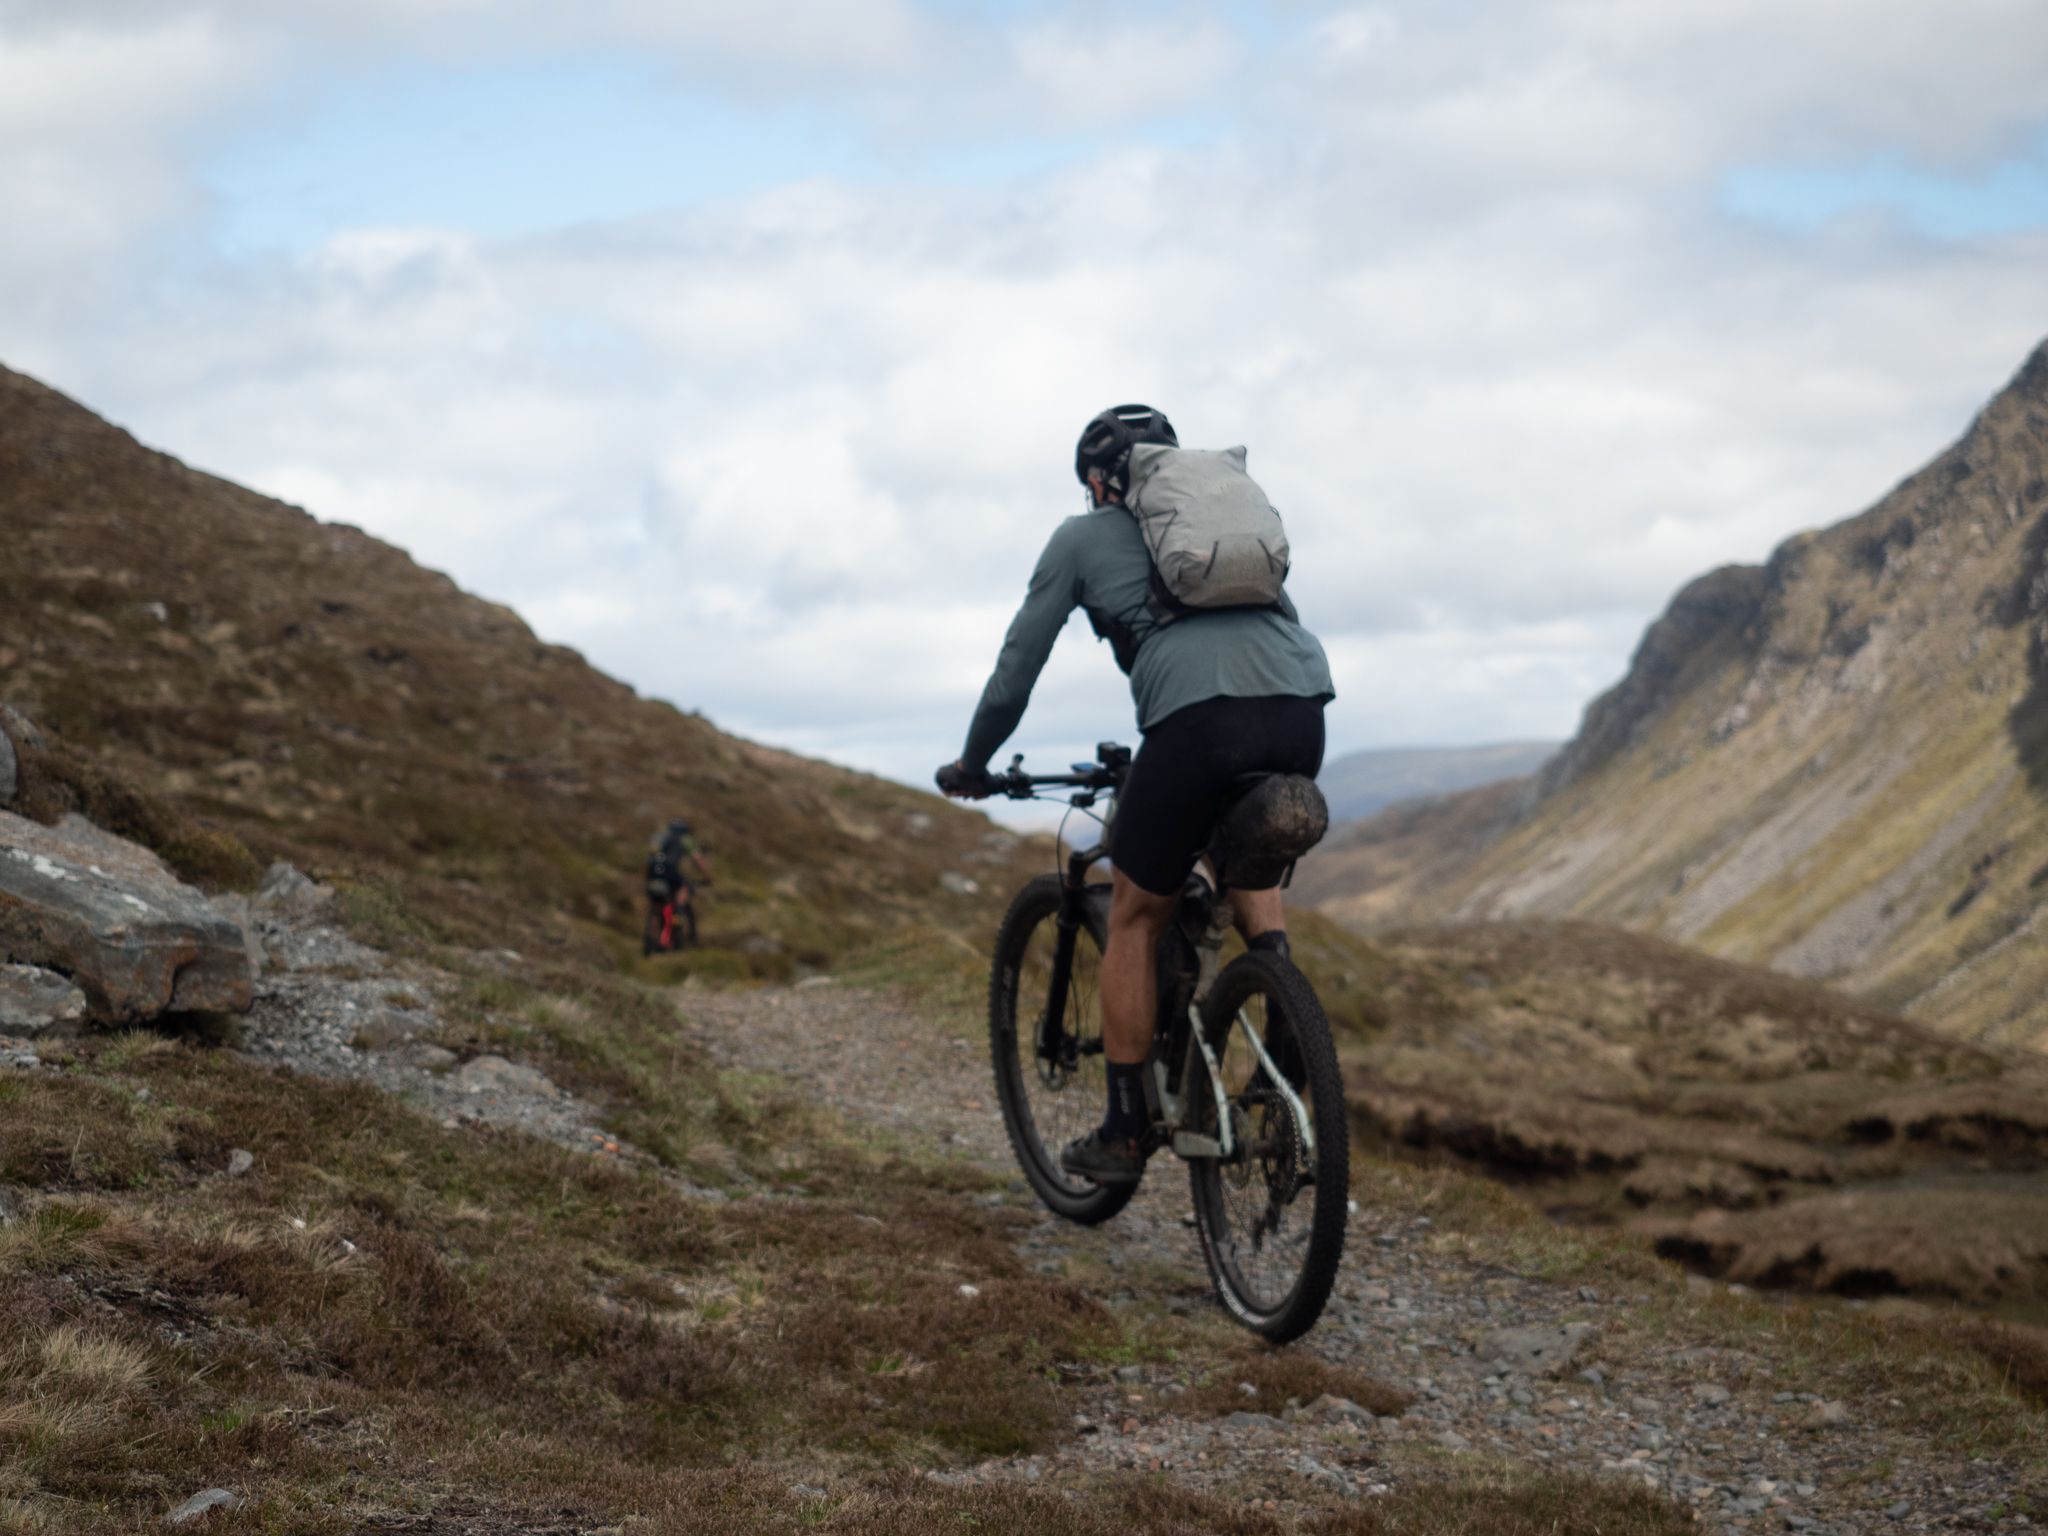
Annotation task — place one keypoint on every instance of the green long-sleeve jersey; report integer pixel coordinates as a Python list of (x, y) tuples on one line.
[(1098, 561)]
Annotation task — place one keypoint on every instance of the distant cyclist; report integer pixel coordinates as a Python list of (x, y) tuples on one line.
[(670, 890), (1220, 692)]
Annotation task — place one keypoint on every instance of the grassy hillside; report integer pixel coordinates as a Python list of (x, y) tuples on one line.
[(287, 688), (1746, 1123), (1835, 764)]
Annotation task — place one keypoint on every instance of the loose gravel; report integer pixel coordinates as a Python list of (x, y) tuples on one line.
[(1505, 1369)]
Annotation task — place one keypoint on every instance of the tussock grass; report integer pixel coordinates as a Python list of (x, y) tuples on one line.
[(1764, 1129), (379, 1270)]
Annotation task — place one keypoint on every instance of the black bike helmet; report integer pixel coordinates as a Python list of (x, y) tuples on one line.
[(679, 827), (1107, 441)]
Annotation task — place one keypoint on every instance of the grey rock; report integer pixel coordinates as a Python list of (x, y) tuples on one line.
[(494, 1074), (10, 770), (956, 884), (288, 891), (201, 1503), (314, 947), (236, 908), (807, 1490), (433, 1058), (1336, 1409), (34, 1001), (1535, 1349), (11, 1207), (1317, 1472), (1826, 1415), (240, 1161), (1708, 1395), (138, 941), (1451, 1440)]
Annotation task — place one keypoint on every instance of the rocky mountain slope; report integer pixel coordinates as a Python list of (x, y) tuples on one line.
[(1361, 783), (1834, 764), (236, 682)]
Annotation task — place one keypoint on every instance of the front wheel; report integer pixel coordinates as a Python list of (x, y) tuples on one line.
[(1271, 1214), (1049, 1102)]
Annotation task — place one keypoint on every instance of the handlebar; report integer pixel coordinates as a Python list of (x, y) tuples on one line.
[(1019, 785), (1103, 776)]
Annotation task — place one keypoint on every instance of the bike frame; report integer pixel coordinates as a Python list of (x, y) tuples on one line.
[(1177, 1046), (1205, 914)]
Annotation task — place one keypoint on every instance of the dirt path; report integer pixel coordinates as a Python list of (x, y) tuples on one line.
[(1706, 1426)]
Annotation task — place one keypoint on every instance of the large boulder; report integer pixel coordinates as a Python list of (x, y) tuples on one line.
[(107, 913)]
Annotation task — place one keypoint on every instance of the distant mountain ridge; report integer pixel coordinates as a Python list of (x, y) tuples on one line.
[(1835, 763), (1361, 783)]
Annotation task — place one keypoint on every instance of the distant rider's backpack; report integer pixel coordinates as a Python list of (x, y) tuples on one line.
[(1216, 541)]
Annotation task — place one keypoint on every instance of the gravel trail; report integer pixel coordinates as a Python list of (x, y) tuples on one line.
[(1708, 1427)]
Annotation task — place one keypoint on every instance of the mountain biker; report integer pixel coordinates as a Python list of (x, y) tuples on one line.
[(667, 851), (1220, 693)]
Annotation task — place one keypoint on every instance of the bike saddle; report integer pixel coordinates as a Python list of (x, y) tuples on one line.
[(1273, 820)]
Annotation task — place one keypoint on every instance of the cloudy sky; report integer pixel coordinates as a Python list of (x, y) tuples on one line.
[(743, 347)]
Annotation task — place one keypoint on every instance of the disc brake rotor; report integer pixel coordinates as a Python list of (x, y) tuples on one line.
[(1056, 1072)]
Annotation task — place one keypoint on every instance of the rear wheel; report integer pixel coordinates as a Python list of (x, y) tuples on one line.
[(1271, 1215), (1048, 1103)]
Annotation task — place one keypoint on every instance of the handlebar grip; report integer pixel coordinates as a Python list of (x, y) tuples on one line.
[(968, 784)]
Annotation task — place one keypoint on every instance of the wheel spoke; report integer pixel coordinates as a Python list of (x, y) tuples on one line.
[(1259, 1208), (1062, 1099)]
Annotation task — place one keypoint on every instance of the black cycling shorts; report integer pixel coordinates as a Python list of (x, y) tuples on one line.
[(1186, 776)]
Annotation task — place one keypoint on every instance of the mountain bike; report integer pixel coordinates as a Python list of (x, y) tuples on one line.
[(671, 917), (1242, 1081)]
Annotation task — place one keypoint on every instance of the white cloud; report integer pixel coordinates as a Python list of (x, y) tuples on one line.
[(1462, 288)]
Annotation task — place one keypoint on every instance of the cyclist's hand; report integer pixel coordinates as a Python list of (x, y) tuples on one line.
[(959, 784)]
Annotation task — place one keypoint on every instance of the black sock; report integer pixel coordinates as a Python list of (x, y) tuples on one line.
[(1274, 941), (1126, 1118)]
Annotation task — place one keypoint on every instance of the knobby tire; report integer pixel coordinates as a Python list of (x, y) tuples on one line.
[(1293, 1003), (1028, 932)]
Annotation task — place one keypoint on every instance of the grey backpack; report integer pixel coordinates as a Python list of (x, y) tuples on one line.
[(1216, 541)]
